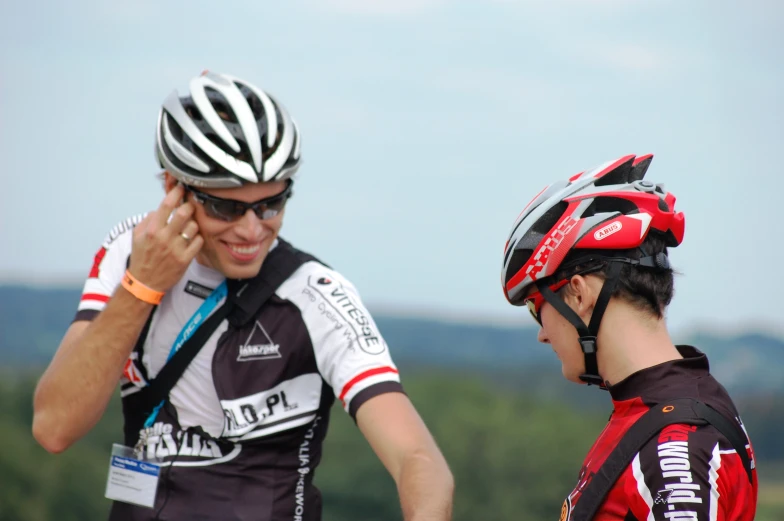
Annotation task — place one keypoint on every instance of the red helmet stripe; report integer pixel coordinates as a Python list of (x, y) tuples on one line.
[(559, 238)]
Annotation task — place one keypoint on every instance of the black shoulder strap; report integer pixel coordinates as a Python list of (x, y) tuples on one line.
[(251, 294), (684, 410), (159, 388), (731, 430), (244, 299)]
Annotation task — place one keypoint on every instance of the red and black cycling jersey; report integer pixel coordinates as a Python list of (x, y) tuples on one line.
[(686, 472)]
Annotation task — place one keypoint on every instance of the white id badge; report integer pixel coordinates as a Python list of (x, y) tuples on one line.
[(131, 479)]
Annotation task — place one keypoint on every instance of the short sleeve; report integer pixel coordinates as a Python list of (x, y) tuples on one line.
[(109, 265), (351, 354)]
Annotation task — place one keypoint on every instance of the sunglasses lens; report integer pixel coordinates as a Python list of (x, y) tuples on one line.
[(532, 309), (228, 210), (271, 208), (266, 213), (223, 210)]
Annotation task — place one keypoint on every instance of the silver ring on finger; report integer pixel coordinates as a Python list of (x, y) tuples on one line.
[(185, 236)]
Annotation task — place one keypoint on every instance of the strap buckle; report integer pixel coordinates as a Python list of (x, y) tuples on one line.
[(588, 344)]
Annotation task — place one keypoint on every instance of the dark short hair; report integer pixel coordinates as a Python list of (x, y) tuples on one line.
[(649, 290)]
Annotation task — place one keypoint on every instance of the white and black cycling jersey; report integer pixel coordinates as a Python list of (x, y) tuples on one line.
[(241, 432)]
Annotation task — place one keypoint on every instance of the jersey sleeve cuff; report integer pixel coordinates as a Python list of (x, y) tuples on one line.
[(85, 314), (371, 392)]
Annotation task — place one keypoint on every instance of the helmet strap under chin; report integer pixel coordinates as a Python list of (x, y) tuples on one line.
[(588, 333)]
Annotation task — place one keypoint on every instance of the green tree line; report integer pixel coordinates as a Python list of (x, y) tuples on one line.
[(514, 456)]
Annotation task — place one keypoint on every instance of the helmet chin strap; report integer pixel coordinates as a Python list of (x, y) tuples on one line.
[(587, 333)]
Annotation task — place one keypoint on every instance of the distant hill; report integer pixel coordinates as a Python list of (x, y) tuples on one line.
[(32, 321)]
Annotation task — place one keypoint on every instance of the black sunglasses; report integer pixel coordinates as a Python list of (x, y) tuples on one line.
[(231, 209)]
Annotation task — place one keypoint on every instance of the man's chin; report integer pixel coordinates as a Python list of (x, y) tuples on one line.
[(234, 270)]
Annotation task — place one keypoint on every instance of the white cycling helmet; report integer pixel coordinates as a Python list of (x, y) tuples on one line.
[(226, 133)]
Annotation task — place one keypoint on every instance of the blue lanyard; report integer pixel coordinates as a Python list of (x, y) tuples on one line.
[(190, 327)]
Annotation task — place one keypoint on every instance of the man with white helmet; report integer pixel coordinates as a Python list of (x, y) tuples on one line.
[(229, 344), (588, 256)]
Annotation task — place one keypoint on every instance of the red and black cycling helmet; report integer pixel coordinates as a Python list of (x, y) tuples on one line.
[(609, 208)]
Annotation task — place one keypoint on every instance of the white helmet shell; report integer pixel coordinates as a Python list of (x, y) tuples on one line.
[(226, 133)]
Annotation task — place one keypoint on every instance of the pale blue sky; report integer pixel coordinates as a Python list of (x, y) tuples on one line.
[(427, 126)]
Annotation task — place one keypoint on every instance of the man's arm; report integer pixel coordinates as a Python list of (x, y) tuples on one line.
[(75, 389), (73, 393), (353, 357), (404, 445)]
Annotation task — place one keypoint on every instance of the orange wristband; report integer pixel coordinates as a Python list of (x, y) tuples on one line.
[(140, 291)]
